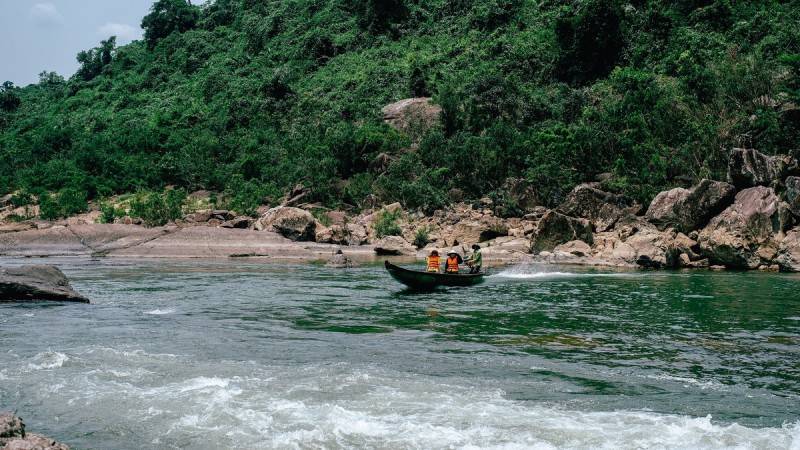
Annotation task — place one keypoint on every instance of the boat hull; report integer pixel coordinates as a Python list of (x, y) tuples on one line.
[(419, 280)]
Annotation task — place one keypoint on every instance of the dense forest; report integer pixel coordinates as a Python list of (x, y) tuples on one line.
[(251, 97)]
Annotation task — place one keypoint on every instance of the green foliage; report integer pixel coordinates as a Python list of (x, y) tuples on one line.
[(251, 98), (21, 198), (67, 202), (386, 223), (156, 209), (9, 100), (421, 237), (168, 16), (108, 213)]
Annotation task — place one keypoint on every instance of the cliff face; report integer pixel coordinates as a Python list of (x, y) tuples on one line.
[(253, 98)]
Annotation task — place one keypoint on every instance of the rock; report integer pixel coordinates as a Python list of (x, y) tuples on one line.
[(748, 168), (340, 261), (356, 234), (577, 248), (295, 196), (393, 208), (555, 228), (17, 226), (536, 213), (11, 426), (745, 234), (455, 195), (690, 209), (609, 247), (661, 249), (241, 222), (793, 195), (293, 223), (603, 177), (394, 245), (602, 208), (336, 217), (31, 283), (717, 267), (412, 115), (472, 231), (521, 193), (222, 214), (199, 216), (789, 252)]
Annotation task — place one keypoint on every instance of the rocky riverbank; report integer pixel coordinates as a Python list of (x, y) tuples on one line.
[(747, 222), (13, 436)]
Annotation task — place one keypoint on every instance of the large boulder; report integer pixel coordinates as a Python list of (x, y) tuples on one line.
[(32, 283), (659, 249), (555, 228), (690, 209), (471, 231), (793, 195), (789, 252), (602, 208), (412, 115), (14, 437), (293, 223), (746, 234), (749, 168), (394, 245), (520, 194)]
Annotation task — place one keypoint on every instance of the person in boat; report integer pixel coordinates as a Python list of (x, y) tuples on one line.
[(433, 261), (452, 262), (475, 261)]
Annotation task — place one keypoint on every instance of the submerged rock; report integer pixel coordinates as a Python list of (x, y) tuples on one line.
[(32, 283), (340, 261)]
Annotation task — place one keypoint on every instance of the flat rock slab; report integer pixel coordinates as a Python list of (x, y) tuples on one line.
[(35, 283), (53, 241)]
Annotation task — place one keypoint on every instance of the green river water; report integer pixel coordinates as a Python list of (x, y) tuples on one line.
[(210, 355)]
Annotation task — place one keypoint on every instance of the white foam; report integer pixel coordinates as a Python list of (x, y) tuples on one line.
[(161, 312), (48, 360), (533, 275)]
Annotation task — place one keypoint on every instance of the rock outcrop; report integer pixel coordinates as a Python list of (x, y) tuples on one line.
[(293, 223), (793, 195), (602, 208), (748, 168), (690, 209), (412, 115), (747, 233), (14, 437), (394, 245), (788, 257), (33, 283), (555, 228)]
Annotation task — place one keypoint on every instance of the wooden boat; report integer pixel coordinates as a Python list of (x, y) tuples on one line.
[(423, 281)]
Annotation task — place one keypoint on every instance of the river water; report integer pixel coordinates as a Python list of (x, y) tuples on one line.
[(214, 355)]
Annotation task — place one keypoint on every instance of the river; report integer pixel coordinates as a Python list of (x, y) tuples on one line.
[(213, 355)]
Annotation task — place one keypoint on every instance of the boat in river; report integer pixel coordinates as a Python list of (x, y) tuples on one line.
[(422, 280)]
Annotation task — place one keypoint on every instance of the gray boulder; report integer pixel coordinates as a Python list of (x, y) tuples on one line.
[(749, 168), (602, 208), (555, 229), (32, 283), (793, 194), (14, 437), (746, 234), (293, 223), (789, 252), (394, 245), (412, 115), (690, 209)]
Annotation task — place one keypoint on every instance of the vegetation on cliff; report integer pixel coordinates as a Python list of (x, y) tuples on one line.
[(252, 97)]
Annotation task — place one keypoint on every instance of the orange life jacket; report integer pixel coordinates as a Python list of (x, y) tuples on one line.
[(433, 263), (452, 264)]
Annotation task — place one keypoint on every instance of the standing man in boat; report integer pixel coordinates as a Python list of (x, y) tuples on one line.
[(475, 261), (433, 261), (452, 262)]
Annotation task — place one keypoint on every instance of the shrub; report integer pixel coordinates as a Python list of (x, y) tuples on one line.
[(157, 209), (21, 198), (67, 202), (107, 213), (386, 224), (421, 237)]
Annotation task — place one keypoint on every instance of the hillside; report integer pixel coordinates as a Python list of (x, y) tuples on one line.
[(253, 97)]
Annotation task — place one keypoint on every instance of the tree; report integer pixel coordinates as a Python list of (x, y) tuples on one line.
[(93, 61), (590, 41), (166, 17), (9, 100)]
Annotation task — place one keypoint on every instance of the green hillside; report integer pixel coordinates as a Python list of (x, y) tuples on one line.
[(252, 97)]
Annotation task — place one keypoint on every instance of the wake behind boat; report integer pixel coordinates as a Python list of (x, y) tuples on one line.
[(421, 280)]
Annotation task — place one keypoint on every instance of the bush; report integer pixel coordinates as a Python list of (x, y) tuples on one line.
[(67, 202), (386, 224), (421, 237), (108, 213), (157, 209), (21, 198)]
